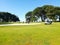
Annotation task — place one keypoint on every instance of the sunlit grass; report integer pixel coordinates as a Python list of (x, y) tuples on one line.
[(30, 35)]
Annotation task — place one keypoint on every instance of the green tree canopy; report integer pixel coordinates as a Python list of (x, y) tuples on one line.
[(8, 17), (28, 16), (45, 11)]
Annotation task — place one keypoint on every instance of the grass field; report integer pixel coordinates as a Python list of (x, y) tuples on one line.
[(30, 35)]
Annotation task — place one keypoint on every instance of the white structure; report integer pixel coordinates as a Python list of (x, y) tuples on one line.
[(48, 21), (39, 19), (57, 17)]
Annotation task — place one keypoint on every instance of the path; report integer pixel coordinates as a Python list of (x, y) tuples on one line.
[(19, 24)]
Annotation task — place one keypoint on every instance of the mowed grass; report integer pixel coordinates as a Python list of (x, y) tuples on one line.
[(30, 35)]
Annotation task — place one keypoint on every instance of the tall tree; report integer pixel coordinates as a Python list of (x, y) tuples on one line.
[(28, 16), (45, 11), (49, 9), (39, 12)]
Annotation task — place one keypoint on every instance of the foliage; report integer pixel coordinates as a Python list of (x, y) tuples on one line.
[(46, 11), (8, 17), (28, 16)]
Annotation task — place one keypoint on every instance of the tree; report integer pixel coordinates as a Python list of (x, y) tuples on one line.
[(45, 11), (39, 12), (28, 16), (8, 17), (57, 11), (49, 9)]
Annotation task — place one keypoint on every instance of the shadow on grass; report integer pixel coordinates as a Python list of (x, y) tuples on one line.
[(6, 23)]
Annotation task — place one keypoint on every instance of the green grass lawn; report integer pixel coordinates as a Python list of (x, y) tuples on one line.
[(30, 35)]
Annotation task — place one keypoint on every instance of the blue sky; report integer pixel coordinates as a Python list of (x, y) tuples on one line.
[(21, 7)]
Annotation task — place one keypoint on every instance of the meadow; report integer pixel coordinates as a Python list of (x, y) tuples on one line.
[(30, 34)]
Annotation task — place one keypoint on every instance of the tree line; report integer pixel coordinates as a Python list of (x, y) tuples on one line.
[(8, 17), (45, 11)]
